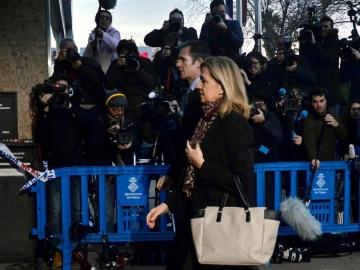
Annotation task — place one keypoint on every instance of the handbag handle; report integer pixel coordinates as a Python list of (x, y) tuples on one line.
[(240, 189)]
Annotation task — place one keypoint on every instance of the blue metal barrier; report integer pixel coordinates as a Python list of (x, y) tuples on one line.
[(134, 186), (330, 191), (132, 204)]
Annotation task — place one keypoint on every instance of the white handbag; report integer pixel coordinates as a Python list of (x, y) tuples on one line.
[(234, 235)]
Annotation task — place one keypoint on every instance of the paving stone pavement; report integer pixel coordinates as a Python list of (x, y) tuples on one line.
[(348, 262)]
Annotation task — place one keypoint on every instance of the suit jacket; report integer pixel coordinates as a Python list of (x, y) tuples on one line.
[(228, 149)]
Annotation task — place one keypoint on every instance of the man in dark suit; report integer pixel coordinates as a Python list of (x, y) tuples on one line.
[(223, 36), (191, 55), (190, 58)]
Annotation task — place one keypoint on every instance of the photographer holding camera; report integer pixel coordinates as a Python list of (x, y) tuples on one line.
[(134, 75), (103, 40), (165, 65), (267, 130), (224, 37), (322, 51), (350, 71), (175, 24), (108, 142), (291, 70), (321, 130), (85, 74), (57, 131)]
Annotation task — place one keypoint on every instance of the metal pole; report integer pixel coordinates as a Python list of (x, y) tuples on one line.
[(258, 21), (239, 16)]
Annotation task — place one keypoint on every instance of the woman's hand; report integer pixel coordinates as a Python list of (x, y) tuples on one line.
[(194, 156), (163, 183), (154, 214)]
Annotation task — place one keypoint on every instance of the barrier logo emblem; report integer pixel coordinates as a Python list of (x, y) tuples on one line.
[(320, 180), (133, 186)]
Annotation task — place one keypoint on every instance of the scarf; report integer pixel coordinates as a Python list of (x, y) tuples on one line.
[(211, 111)]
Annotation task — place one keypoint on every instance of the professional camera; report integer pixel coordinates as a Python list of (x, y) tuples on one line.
[(354, 40), (123, 135), (175, 24), (290, 102), (312, 25), (73, 55), (132, 63), (217, 17), (60, 94)]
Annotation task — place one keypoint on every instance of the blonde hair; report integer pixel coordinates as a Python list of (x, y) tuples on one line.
[(227, 73)]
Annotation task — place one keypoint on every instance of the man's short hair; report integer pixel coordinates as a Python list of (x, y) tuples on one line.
[(216, 3), (257, 55), (327, 19), (197, 49), (317, 92), (176, 10)]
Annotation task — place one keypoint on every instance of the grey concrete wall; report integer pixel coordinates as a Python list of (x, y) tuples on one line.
[(23, 53)]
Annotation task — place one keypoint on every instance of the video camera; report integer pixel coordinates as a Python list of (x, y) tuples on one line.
[(291, 101), (123, 135), (60, 94), (352, 41), (312, 25)]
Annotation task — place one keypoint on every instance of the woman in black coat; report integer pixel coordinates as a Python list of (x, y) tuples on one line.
[(220, 148)]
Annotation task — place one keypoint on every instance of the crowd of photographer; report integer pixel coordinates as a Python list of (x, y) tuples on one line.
[(101, 108)]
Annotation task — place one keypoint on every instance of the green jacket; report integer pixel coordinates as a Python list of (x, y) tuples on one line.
[(311, 136)]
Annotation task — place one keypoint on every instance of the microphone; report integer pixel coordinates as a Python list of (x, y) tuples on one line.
[(282, 92), (302, 115), (297, 215), (351, 151), (107, 4), (297, 122)]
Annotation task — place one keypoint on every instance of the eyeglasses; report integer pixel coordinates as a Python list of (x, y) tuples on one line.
[(355, 109)]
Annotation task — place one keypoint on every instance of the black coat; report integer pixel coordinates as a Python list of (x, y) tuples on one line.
[(323, 56), (58, 134), (225, 43), (303, 77), (350, 71), (87, 81), (156, 37), (135, 85), (228, 149)]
